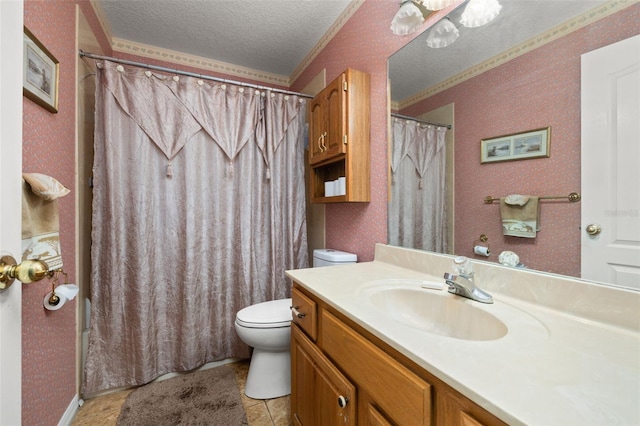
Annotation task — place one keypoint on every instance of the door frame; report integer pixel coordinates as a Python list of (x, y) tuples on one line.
[(11, 34)]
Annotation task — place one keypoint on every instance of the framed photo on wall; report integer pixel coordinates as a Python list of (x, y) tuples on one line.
[(39, 73), (517, 146)]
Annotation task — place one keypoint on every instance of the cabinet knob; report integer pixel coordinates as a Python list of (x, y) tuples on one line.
[(297, 313), (342, 401)]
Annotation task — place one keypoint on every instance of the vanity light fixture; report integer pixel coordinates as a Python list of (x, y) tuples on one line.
[(479, 13), (412, 13), (442, 34), (437, 4), (407, 19)]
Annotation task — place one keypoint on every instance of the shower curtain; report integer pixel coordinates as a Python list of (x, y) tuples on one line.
[(198, 209), (417, 210)]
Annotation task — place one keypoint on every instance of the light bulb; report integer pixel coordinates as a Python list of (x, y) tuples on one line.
[(480, 12)]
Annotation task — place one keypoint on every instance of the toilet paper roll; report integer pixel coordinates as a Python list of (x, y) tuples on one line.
[(342, 186), (64, 292), (329, 189), (68, 290), (48, 306), (482, 251)]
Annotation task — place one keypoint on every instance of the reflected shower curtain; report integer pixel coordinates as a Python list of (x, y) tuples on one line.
[(417, 210), (198, 210)]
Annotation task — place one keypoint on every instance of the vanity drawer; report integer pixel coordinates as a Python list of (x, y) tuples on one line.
[(404, 397), (304, 312)]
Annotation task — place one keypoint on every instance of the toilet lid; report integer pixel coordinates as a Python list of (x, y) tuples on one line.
[(272, 314)]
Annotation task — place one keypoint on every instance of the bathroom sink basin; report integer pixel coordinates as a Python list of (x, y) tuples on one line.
[(434, 311)]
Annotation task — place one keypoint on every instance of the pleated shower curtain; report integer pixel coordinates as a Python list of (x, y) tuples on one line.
[(198, 209), (418, 207)]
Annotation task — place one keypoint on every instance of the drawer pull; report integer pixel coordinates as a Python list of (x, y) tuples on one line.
[(342, 401), (297, 313)]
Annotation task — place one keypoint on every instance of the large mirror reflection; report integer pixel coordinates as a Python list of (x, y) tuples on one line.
[(516, 75)]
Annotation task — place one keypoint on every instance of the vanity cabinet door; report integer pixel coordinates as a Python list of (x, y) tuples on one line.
[(404, 397), (369, 413), (320, 394), (454, 409)]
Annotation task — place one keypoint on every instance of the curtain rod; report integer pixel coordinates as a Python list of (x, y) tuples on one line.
[(187, 73), (406, 117)]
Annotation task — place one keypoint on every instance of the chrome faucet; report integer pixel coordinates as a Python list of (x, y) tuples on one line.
[(464, 285)]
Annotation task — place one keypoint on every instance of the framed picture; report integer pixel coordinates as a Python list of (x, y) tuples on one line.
[(518, 146), (39, 73)]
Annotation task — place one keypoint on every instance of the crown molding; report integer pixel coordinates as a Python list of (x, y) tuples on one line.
[(348, 12), (527, 46), (171, 56)]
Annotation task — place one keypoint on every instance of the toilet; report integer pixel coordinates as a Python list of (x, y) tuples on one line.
[(266, 327)]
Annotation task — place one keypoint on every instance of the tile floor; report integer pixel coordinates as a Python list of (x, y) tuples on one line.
[(104, 410)]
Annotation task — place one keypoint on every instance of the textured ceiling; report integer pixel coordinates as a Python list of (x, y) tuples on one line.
[(272, 36)]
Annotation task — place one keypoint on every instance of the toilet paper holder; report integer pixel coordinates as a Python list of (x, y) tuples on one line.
[(54, 299), (481, 246)]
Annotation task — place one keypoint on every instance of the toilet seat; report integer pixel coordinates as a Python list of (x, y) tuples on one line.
[(272, 314)]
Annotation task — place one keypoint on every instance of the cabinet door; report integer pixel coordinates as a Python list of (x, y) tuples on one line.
[(454, 409), (336, 117), (403, 396), (369, 413), (317, 128), (320, 394)]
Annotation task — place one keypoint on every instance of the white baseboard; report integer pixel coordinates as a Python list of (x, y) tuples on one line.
[(70, 412)]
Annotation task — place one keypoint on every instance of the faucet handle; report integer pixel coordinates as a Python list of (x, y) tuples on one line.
[(450, 277)]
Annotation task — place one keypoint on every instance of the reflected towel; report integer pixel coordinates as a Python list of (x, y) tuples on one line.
[(40, 222), (520, 215)]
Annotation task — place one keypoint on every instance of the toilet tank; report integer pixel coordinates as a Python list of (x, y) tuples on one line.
[(330, 257)]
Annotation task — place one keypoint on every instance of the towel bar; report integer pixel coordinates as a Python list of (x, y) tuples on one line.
[(573, 197)]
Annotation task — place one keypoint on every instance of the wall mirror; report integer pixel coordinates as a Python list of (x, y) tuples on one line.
[(417, 72)]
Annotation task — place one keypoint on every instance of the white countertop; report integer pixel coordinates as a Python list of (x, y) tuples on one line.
[(551, 368)]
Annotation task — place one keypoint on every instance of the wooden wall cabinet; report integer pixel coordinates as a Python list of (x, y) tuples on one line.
[(339, 138), (343, 375)]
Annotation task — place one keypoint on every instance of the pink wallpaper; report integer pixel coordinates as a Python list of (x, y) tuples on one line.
[(539, 89), (49, 337)]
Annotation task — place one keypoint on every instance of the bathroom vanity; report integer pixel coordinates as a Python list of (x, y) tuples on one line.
[(370, 345)]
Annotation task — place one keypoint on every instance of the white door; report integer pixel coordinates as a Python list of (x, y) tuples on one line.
[(11, 14), (611, 164)]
